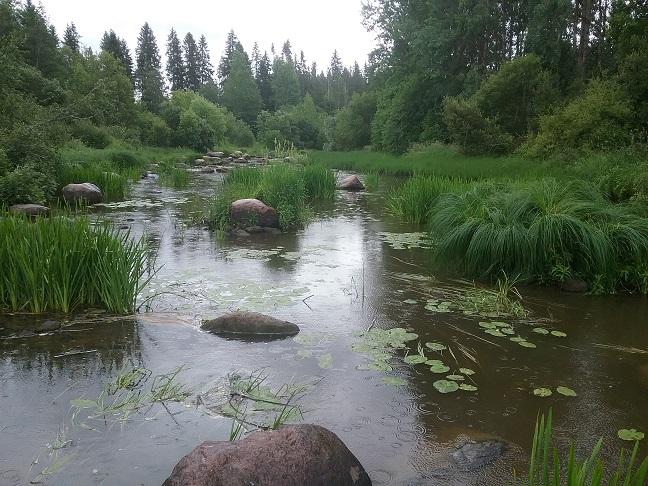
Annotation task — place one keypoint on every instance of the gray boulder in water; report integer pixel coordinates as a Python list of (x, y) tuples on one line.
[(31, 210), (351, 183), (85, 192), (252, 212), (250, 324), (474, 455), (294, 455)]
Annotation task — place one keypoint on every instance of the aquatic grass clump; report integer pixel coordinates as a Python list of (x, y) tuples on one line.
[(413, 200), (319, 181), (62, 264), (113, 182), (542, 230), (172, 176)]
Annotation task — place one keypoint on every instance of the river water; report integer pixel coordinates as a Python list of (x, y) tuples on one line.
[(345, 272)]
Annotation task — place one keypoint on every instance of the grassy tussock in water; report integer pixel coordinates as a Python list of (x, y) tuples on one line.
[(549, 230), (61, 264), (112, 182), (287, 188)]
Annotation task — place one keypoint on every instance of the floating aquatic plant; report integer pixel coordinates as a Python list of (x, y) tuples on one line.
[(542, 392), (446, 386), (467, 387), (630, 435), (402, 241), (568, 392), (379, 344), (394, 381)]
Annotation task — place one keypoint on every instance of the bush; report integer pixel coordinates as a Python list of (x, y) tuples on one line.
[(90, 135), (471, 131), (353, 123), (25, 185), (153, 130), (194, 132), (301, 125), (238, 132), (598, 120)]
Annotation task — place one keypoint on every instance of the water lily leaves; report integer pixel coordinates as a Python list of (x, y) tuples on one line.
[(433, 362), (507, 330), (414, 359), (466, 371), (376, 366), (435, 346), (467, 387), (394, 381), (568, 392), (542, 392), (435, 305), (558, 334), (517, 339), (325, 361), (495, 332), (527, 344), (488, 325), (456, 377), (630, 434), (500, 324), (540, 330), (446, 386), (410, 301), (439, 368)]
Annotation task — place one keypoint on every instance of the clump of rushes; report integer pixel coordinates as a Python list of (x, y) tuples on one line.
[(286, 187), (173, 176), (534, 228), (413, 200), (62, 264), (112, 181)]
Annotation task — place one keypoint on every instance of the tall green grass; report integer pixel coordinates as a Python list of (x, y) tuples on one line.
[(546, 468), (288, 188), (114, 183), (533, 228), (62, 264)]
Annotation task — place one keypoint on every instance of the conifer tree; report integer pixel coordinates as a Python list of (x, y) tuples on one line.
[(39, 40), (256, 59), (240, 92), (118, 48), (286, 51), (175, 68), (148, 78), (232, 44), (205, 68), (263, 80), (285, 83), (192, 74), (71, 37)]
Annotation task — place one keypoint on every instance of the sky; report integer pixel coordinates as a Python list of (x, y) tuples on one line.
[(315, 26)]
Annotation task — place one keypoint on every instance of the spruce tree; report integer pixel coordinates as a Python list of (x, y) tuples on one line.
[(205, 68), (263, 79), (285, 83), (71, 37), (240, 92), (256, 59), (118, 48), (148, 78), (232, 44), (175, 68), (39, 42), (286, 51), (192, 74)]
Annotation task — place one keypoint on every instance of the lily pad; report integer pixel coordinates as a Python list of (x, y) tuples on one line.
[(456, 377), (488, 325), (376, 366), (542, 392), (540, 330), (439, 368), (446, 386), (433, 362), (414, 359), (495, 332), (325, 361), (466, 371), (568, 392), (507, 330), (630, 434), (501, 324), (435, 305), (410, 301), (394, 381), (435, 346), (517, 339), (527, 344), (558, 334), (467, 387)]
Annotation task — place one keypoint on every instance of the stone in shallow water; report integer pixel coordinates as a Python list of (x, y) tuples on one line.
[(252, 212), (86, 192), (574, 285), (293, 455), (351, 183), (31, 210), (252, 324), (474, 455)]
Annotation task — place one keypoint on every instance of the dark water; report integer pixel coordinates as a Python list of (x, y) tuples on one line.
[(334, 278)]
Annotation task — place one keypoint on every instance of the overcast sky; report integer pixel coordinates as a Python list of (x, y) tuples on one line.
[(315, 26)]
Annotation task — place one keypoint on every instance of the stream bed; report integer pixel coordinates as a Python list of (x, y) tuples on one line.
[(351, 273)]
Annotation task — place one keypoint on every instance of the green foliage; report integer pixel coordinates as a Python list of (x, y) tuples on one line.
[(302, 125), (62, 264), (353, 123), (598, 120), (91, 135), (153, 130), (546, 468), (175, 177), (24, 185), (285, 83), (240, 92), (113, 184)]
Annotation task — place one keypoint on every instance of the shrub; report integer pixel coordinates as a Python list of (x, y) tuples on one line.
[(194, 132), (25, 185), (90, 135), (353, 123), (302, 125), (153, 130)]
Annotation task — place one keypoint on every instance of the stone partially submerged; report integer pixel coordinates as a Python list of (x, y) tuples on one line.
[(85, 192), (474, 455), (351, 183), (250, 324), (293, 455), (31, 210), (252, 212)]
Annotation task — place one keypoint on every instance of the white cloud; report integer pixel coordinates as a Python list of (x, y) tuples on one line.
[(317, 27)]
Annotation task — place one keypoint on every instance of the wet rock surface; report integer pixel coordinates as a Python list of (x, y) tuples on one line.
[(247, 211), (351, 183), (473, 455), (31, 210), (294, 455), (574, 285), (250, 323), (85, 192)]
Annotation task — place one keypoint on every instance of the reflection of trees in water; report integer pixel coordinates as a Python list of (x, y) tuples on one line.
[(112, 342)]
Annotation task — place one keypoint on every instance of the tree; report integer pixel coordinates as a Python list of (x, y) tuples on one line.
[(71, 37), (256, 59), (232, 45), (205, 68), (175, 67), (286, 51), (39, 43), (240, 92), (285, 83), (264, 82), (148, 78), (192, 67), (118, 48)]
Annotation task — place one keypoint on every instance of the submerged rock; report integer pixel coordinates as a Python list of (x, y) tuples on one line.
[(293, 455), (216, 154), (474, 455), (351, 183), (574, 285), (31, 210), (250, 323), (252, 212), (86, 192)]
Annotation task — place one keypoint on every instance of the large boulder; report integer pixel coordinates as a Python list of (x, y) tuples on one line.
[(85, 192), (474, 455), (294, 455), (250, 324), (31, 210), (252, 212), (351, 183)]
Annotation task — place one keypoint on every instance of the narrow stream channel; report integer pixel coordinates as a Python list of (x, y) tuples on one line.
[(344, 273)]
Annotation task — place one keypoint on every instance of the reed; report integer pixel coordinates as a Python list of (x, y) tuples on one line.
[(62, 264), (113, 182)]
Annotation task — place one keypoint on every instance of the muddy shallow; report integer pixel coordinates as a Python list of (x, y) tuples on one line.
[(335, 278)]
